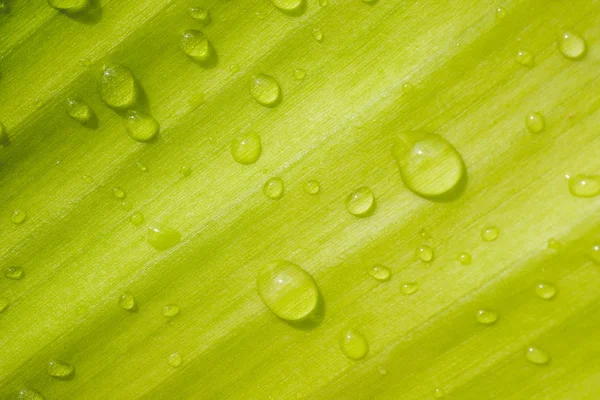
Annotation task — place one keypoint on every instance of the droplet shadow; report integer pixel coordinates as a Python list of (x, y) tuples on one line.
[(296, 12), (312, 320), (89, 16)]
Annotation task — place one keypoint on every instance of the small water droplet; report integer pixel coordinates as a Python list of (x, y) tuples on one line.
[(170, 310), (119, 193), (408, 88), (87, 179), (60, 369), (572, 45), (14, 273), (265, 90), (196, 46), (141, 166), (317, 34), (409, 288), (273, 188), (175, 360), (537, 356), (545, 291), (299, 74), (126, 205), (127, 302), (72, 6), (490, 233), (4, 8), (163, 238), (382, 371), (312, 187), (141, 127), (4, 303), (287, 290), (486, 317), (535, 122), (28, 394), (525, 57), (424, 253), (4, 139), (118, 87), (554, 244), (38, 103), (438, 393), (234, 68), (246, 149), (200, 14), (185, 170), (429, 165), (289, 6), (584, 185), (354, 345), (79, 111), (137, 218), (595, 253), (18, 217), (361, 202), (85, 62), (500, 13), (464, 258), (380, 272)]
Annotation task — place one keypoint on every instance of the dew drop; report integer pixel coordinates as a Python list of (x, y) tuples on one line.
[(4, 303), (289, 6), (246, 149), (584, 185), (554, 244), (14, 273), (200, 14), (4, 139), (361, 202), (438, 393), (409, 288), (119, 193), (127, 302), (490, 234), (141, 166), (118, 87), (175, 360), (196, 46), (424, 253), (535, 122), (141, 127), (323, 3), (465, 258), (265, 90), (273, 188), (380, 272), (382, 371), (137, 218), (170, 310), (87, 179), (595, 253), (71, 6), (185, 170), (354, 345), (525, 57), (545, 291), (572, 45), (28, 394), (4, 8), (500, 13), (408, 88), (486, 317), (126, 205), (317, 34), (60, 369), (163, 238), (234, 68), (79, 111), (18, 217), (537, 356), (299, 74), (312, 187), (429, 165), (287, 290)]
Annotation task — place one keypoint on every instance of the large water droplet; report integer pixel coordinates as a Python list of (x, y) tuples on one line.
[(525, 57), (141, 127), (18, 217), (429, 165), (79, 111), (354, 345), (170, 310), (545, 291), (14, 273), (289, 291), (273, 188), (535, 122), (246, 149), (127, 302), (163, 238), (486, 317), (424, 253), (60, 369), (200, 14), (361, 202), (175, 360), (4, 303), (289, 6), (265, 90), (72, 6), (490, 233), (537, 356), (28, 394), (196, 46), (584, 185), (380, 272), (117, 87), (572, 45)]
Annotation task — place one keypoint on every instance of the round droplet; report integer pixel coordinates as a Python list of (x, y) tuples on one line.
[(354, 345), (361, 202), (486, 317), (500, 13), (438, 393), (118, 88), (312, 187), (288, 290), (537, 356), (141, 127), (424, 253), (87, 179), (409, 288), (28, 394), (246, 149), (163, 238), (4, 303), (79, 111), (170, 310), (196, 46), (584, 185), (595, 253), (429, 165), (535, 122), (175, 360), (14, 273), (490, 233), (317, 34), (380, 272), (554, 244), (185, 170), (60, 369), (273, 188), (18, 217), (127, 302), (464, 258), (141, 166), (69, 5), (137, 218), (119, 193), (525, 57), (545, 291), (572, 45), (299, 74), (4, 139), (265, 90), (200, 14), (289, 5), (408, 88), (126, 205)]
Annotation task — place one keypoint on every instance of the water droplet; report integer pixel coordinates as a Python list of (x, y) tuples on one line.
[(554, 244), (163, 238), (4, 9), (127, 302), (490, 233), (584, 185), (535, 122), (537, 356), (118, 87), (185, 170), (273, 188), (85, 62), (299, 74), (525, 57), (72, 6), (545, 291), (595, 253), (290, 6), (196, 46), (429, 165), (572, 45), (175, 360), (323, 3), (141, 127), (380, 272), (265, 90), (141, 166), (60, 369), (500, 13), (317, 34), (312, 187), (126, 205), (234, 68), (486, 317), (409, 288), (200, 14), (408, 88), (361, 202), (438, 393), (79, 111), (4, 303), (464, 258), (119, 193), (14, 273), (287, 290), (4, 139), (87, 179), (18, 217), (246, 149), (382, 371), (424, 253), (170, 310), (137, 218), (28, 394), (354, 345)]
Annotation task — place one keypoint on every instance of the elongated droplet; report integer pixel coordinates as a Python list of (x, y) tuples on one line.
[(354, 345), (127, 302), (312, 187), (273, 188), (141, 166), (490, 233), (170, 310), (28, 394), (137, 218), (69, 5), (119, 193), (409, 288), (14, 273), (424, 253), (572, 45), (79, 111), (175, 360), (537, 356), (380, 272), (141, 127), (525, 57), (196, 46), (317, 34), (486, 317), (118, 88), (535, 122), (361, 202), (4, 303), (290, 6), (18, 217), (246, 149), (4, 139), (265, 90), (584, 185), (163, 238), (287, 290), (545, 291), (60, 369), (200, 14), (429, 165), (464, 258)]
